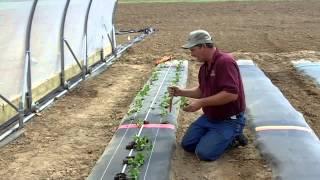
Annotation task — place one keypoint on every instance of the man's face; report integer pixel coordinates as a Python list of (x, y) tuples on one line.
[(197, 52)]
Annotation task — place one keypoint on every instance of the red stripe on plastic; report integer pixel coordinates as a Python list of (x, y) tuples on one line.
[(162, 126)]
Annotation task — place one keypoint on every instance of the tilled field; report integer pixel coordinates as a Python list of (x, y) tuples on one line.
[(66, 140)]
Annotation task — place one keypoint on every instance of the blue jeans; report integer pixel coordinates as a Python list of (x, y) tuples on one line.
[(210, 139)]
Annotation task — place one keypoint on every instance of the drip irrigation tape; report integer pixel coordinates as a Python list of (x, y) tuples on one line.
[(146, 116), (158, 160)]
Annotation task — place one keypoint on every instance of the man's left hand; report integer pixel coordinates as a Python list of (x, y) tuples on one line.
[(195, 105)]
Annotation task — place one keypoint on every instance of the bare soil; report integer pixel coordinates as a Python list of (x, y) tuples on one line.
[(65, 140)]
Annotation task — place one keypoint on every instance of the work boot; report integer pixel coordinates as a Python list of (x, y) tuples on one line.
[(239, 140), (242, 139)]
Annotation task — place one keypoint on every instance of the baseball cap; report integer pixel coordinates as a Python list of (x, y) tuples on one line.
[(198, 37)]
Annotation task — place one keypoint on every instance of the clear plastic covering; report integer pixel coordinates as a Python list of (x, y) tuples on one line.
[(84, 25), (13, 29), (266, 99), (282, 135), (74, 28), (99, 29), (310, 68), (44, 46)]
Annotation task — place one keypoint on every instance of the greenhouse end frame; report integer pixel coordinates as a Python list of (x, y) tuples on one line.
[(84, 51)]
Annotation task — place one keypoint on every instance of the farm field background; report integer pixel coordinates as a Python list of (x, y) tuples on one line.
[(177, 1), (66, 140)]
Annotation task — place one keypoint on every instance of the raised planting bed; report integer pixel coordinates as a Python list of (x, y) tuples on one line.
[(282, 135), (142, 146), (309, 68)]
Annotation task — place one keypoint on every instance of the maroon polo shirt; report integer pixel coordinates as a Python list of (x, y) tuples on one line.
[(222, 74)]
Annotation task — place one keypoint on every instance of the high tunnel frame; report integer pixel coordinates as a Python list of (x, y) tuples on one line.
[(98, 45)]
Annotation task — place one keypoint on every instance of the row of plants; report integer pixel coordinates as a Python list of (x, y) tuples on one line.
[(141, 146), (138, 101), (139, 143), (166, 102)]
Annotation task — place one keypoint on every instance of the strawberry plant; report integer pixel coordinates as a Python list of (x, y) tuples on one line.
[(177, 76), (154, 75), (183, 102), (140, 122), (176, 79), (134, 173), (137, 105), (165, 103), (135, 162), (179, 66), (141, 143), (144, 90)]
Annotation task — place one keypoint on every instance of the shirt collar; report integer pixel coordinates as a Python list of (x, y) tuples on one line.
[(214, 57)]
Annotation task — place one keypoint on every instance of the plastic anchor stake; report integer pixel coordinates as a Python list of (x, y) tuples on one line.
[(120, 176), (131, 145), (126, 161)]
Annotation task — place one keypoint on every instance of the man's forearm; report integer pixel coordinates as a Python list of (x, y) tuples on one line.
[(218, 99), (192, 92)]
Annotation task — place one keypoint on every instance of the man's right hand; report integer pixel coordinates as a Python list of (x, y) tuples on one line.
[(174, 91)]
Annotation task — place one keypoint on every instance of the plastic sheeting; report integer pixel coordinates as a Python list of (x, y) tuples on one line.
[(283, 136), (309, 68), (87, 35), (44, 46), (13, 23), (76, 13), (100, 27), (158, 163)]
